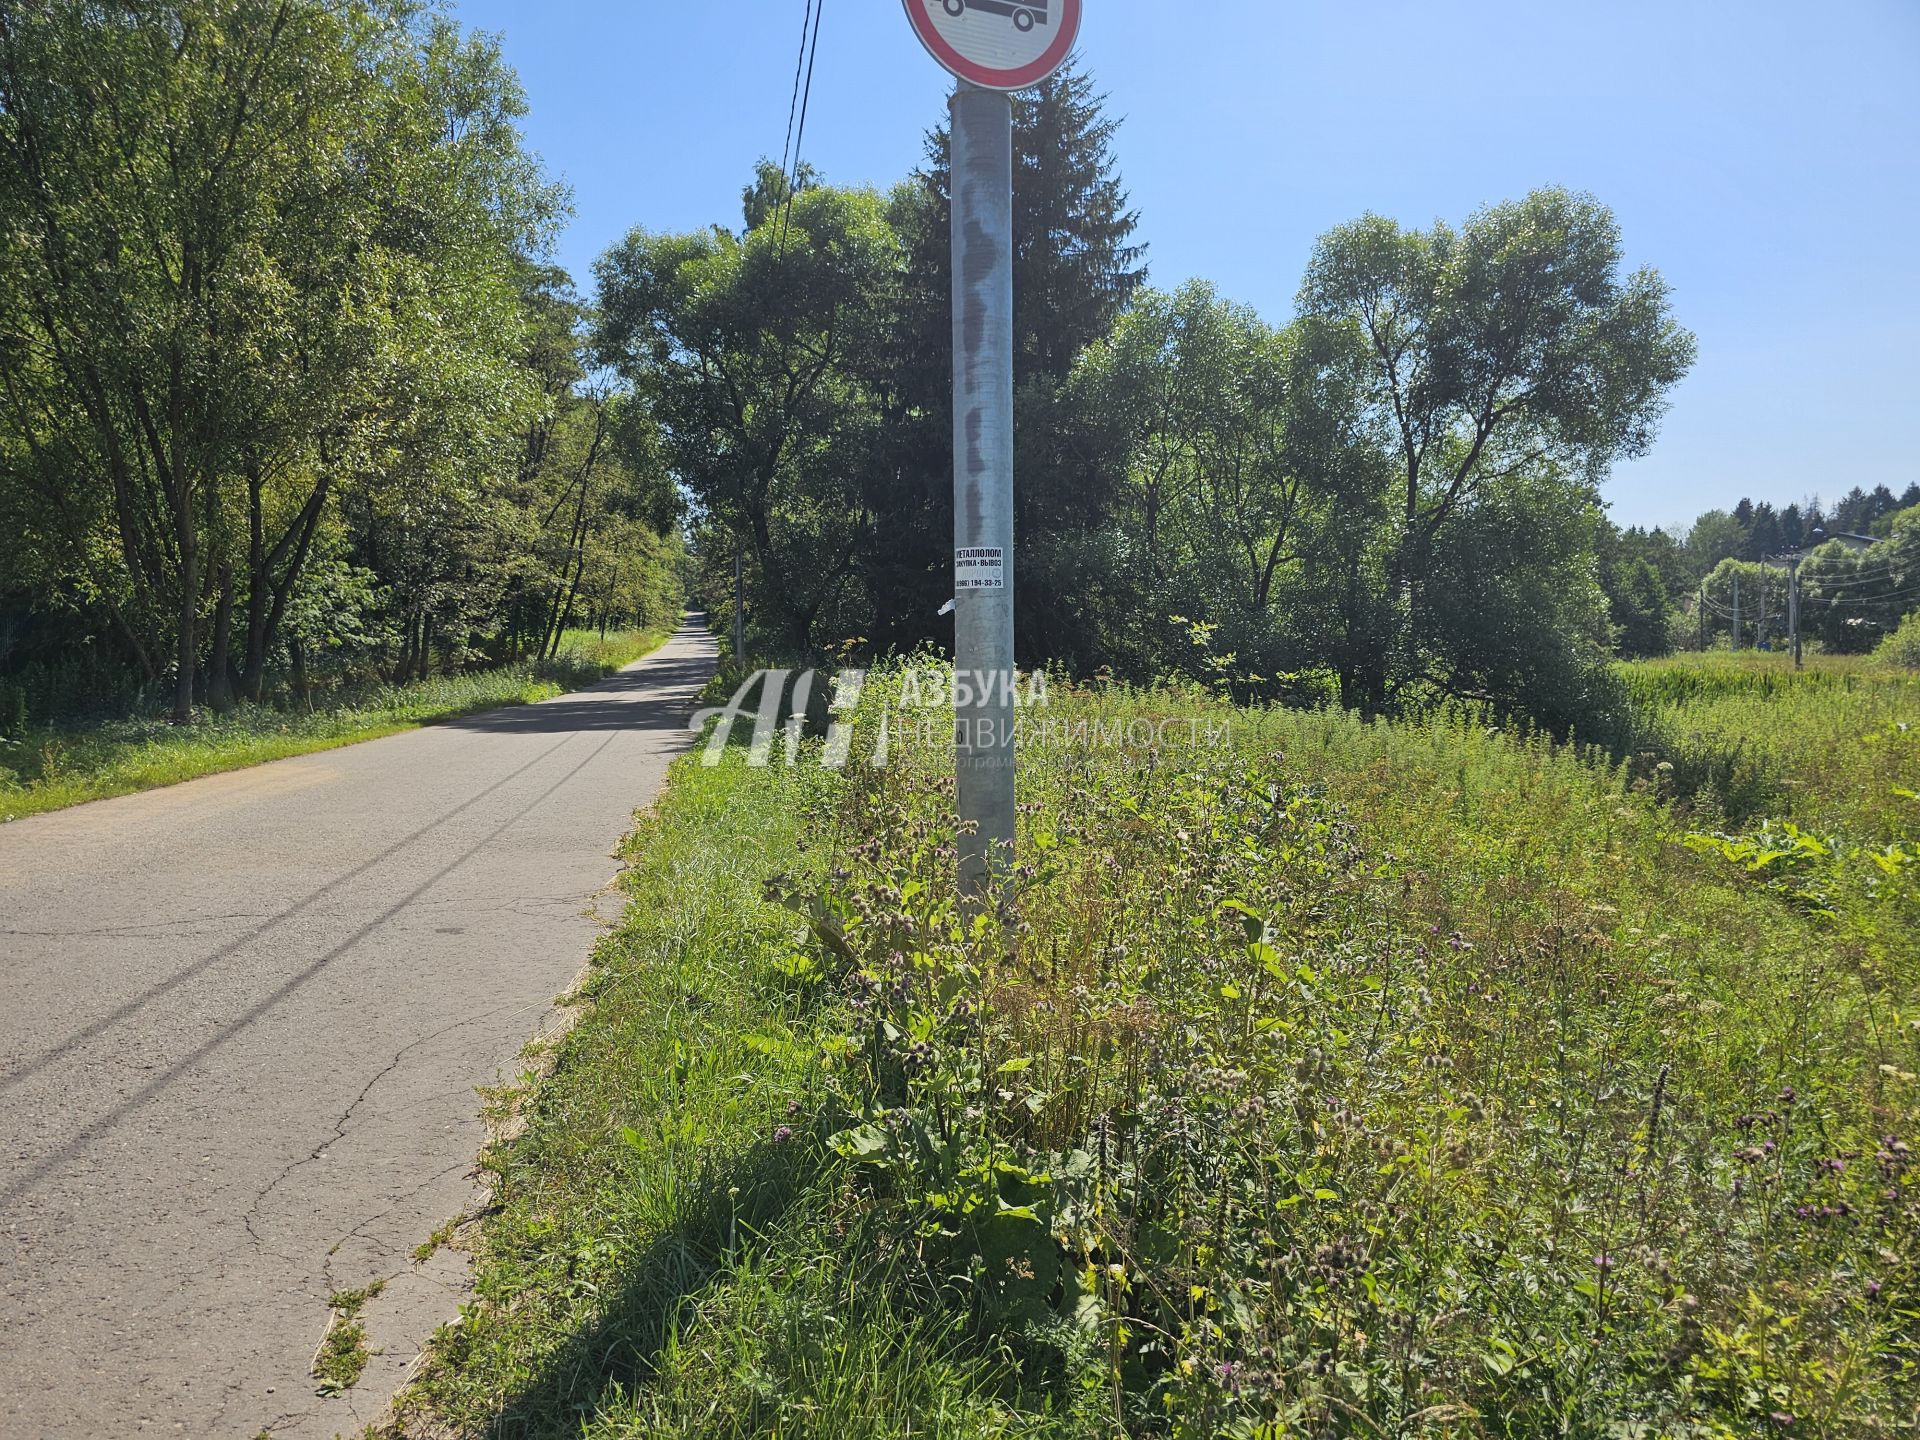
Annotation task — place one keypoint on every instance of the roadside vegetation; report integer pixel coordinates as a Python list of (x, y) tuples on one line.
[(290, 400), (52, 768), (343, 1353), (1415, 1078)]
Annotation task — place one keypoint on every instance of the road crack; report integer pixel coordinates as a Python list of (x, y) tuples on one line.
[(344, 1123)]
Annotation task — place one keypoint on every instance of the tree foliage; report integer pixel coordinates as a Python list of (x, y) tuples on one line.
[(263, 310)]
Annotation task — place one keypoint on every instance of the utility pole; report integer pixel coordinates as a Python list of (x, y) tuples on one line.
[(1703, 615), (1793, 605), (739, 607), (1736, 609), (983, 481), (992, 50)]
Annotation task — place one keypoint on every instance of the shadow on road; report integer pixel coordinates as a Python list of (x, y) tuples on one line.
[(610, 705)]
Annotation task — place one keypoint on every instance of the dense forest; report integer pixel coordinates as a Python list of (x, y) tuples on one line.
[(288, 398)]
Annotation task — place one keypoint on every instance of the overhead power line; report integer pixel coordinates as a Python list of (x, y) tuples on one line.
[(811, 50), (793, 105), (1879, 577), (1895, 599)]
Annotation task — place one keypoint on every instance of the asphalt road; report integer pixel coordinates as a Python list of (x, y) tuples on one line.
[(242, 1021)]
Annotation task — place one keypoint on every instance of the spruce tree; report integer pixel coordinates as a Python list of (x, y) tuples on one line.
[(1075, 266), (1639, 601), (1075, 263)]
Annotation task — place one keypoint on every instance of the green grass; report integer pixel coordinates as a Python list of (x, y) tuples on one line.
[(52, 769), (441, 1237), (343, 1353), (1748, 736), (1338, 1079)]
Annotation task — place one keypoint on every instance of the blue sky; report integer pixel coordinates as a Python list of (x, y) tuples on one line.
[(1764, 156)]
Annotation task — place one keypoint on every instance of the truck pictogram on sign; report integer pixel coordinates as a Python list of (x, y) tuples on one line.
[(1026, 14)]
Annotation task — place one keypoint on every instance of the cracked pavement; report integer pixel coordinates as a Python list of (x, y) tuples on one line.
[(245, 1020)]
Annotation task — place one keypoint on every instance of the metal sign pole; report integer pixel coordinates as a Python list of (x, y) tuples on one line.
[(983, 482)]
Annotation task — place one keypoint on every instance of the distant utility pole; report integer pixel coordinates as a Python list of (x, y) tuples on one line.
[(1792, 563), (1736, 609), (1793, 604), (1703, 615)]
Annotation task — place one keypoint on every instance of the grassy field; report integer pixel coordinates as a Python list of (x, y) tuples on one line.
[(52, 769), (1827, 745), (1413, 1079)]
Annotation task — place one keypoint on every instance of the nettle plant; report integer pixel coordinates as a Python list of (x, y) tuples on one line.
[(1234, 1128)]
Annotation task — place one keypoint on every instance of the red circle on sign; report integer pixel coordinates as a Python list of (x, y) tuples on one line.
[(1065, 33)]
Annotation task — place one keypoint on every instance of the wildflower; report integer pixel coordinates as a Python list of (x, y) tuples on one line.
[(1781, 1418), (783, 1134), (1873, 1289), (1603, 1262)]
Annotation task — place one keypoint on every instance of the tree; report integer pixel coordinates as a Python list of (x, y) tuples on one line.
[(1490, 353), (1854, 512), (1714, 536), (1793, 528), (1852, 598), (254, 240), (1199, 389), (1639, 603), (1764, 539), (1761, 593), (1224, 439), (760, 354), (1514, 614), (590, 467)]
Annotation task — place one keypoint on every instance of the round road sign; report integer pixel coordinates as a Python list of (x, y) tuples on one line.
[(997, 44)]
